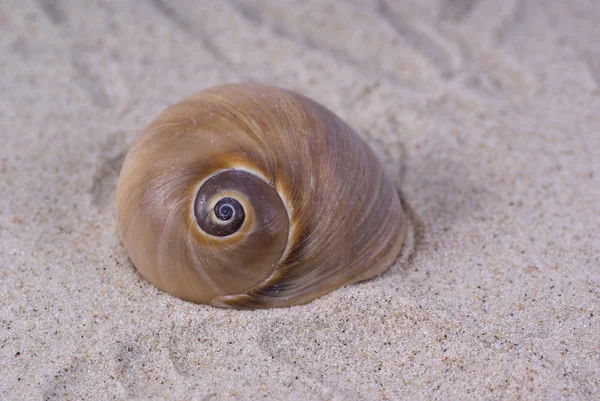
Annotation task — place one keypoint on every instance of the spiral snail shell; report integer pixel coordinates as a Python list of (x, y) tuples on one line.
[(251, 196)]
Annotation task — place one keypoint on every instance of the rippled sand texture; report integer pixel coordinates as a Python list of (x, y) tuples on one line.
[(487, 113)]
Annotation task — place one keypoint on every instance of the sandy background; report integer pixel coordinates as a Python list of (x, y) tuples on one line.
[(487, 113)]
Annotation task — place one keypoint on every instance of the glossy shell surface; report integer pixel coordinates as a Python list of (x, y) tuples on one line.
[(251, 196)]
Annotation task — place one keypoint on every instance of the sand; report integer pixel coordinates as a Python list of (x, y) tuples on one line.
[(486, 113)]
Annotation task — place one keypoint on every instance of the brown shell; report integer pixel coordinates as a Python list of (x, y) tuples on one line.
[(320, 212)]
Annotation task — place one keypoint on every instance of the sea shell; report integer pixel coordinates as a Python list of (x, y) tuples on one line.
[(251, 196)]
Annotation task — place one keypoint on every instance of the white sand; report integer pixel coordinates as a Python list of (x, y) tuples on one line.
[(488, 113)]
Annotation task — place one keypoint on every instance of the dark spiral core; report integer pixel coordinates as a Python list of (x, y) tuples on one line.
[(229, 209), (230, 216)]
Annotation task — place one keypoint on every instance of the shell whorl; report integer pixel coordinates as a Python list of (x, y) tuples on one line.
[(251, 196)]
